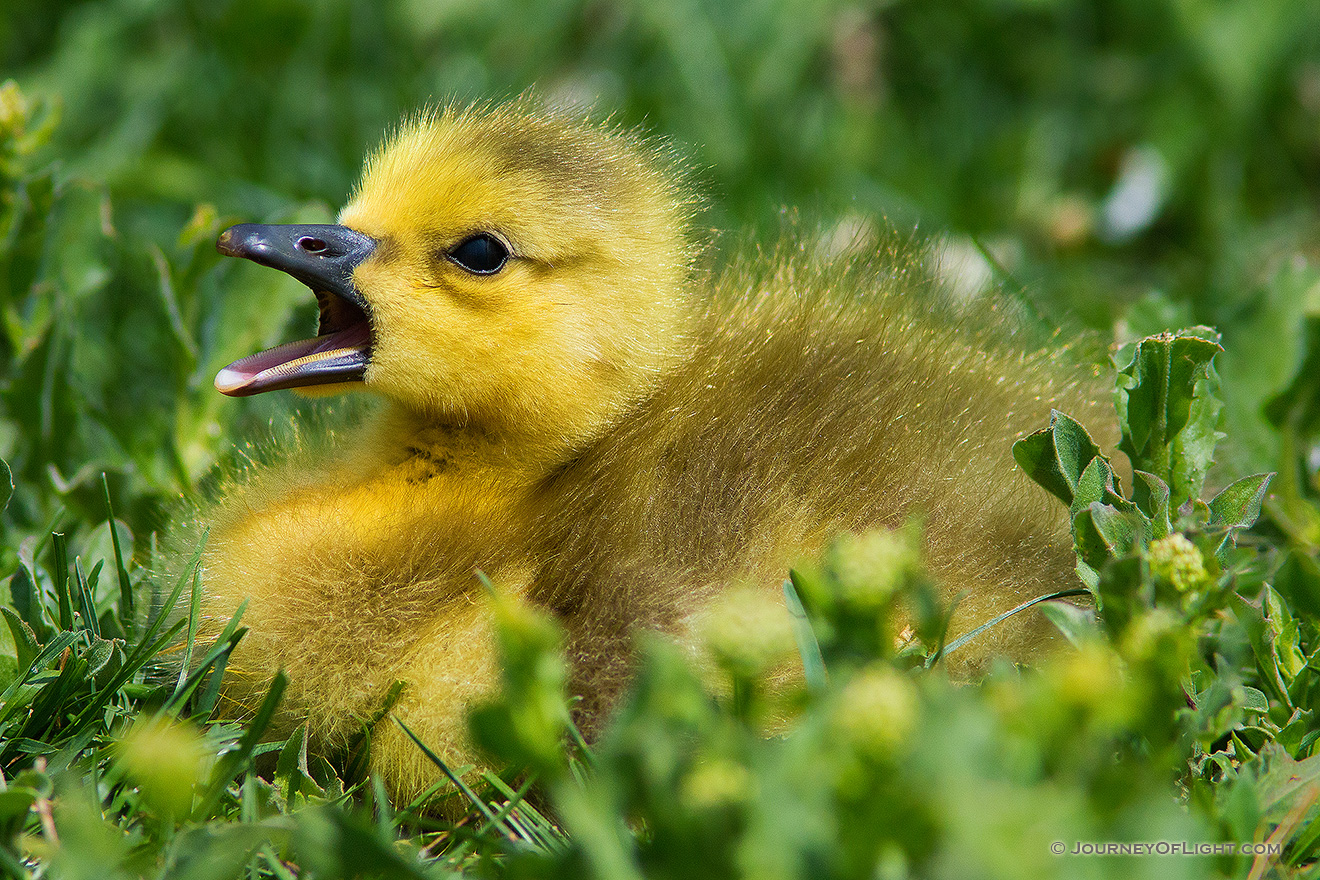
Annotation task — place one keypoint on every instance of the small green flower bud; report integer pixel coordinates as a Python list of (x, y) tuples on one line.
[(1178, 561), (872, 566), (877, 711), (1089, 677), (1159, 637), (165, 759), (14, 109), (717, 783), (748, 631)]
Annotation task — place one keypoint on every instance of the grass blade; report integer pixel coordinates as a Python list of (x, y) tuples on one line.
[(85, 605), (357, 763), (206, 703), (194, 610), (218, 654), (61, 551), (813, 664), (459, 783), (967, 637), (232, 761), (126, 610)]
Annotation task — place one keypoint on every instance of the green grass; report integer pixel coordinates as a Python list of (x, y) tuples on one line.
[(1185, 713)]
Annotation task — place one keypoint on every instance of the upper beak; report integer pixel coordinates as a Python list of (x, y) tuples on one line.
[(323, 257), (320, 255)]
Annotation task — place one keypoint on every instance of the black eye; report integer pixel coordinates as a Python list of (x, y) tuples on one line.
[(482, 254)]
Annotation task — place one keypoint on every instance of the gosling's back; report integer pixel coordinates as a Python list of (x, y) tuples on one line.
[(818, 397)]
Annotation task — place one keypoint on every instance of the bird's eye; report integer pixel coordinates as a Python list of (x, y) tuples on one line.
[(482, 254)]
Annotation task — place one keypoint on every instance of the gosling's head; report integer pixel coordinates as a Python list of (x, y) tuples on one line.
[(509, 268)]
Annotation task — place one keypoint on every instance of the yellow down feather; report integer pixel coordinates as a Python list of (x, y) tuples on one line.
[(612, 435)]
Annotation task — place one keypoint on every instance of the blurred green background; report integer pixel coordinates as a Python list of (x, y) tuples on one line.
[(1125, 166), (1131, 165)]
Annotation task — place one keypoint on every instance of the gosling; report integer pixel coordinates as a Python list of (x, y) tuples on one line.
[(568, 407)]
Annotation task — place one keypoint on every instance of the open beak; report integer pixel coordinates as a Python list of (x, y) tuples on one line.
[(323, 257)]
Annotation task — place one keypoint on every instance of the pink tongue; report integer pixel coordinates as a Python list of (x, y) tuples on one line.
[(305, 362)]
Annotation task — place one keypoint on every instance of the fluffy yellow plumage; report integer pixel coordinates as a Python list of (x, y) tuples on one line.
[(572, 410)]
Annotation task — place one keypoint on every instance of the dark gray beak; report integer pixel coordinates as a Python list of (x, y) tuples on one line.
[(322, 256)]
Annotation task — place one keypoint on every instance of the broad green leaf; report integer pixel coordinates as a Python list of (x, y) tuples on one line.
[(1283, 633), (15, 803), (1169, 409), (1056, 456), (1190, 362), (1092, 546), (1077, 624), (1104, 532), (98, 654), (1299, 726), (290, 758), (1097, 484), (26, 646), (1254, 700), (291, 766), (9, 670), (1151, 495), (1238, 505), (1281, 778), (27, 601), (1261, 636), (1121, 587), (1193, 447), (1089, 543), (1088, 576)]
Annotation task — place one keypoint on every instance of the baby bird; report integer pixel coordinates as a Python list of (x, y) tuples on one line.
[(571, 409)]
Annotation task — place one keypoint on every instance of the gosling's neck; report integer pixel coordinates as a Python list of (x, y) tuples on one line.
[(427, 445)]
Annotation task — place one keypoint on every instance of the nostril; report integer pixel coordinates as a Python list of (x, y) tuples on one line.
[(312, 245)]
